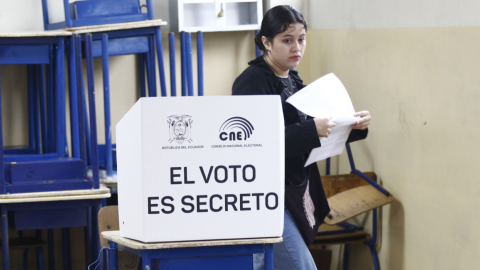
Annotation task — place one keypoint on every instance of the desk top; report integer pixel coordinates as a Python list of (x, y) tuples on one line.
[(35, 34), (115, 236), (64, 195), (115, 26)]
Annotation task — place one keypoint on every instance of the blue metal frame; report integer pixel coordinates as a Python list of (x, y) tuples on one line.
[(187, 66), (152, 84), (141, 67), (143, 41), (60, 98), (31, 110), (349, 227), (95, 12), (3, 187), (188, 45), (171, 51), (35, 98), (84, 129), (50, 104), (200, 62), (51, 209), (40, 83), (47, 120), (91, 106), (72, 82), (183, 56), (106, 104), (158, 42), (232, 257), (66, 249), (354, 170)]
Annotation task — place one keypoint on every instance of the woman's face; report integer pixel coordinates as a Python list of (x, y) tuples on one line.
[(287, 48)]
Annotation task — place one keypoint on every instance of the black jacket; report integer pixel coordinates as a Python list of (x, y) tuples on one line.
[(300, 138)]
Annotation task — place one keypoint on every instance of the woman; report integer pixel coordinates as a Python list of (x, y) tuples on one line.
[(282, 41)]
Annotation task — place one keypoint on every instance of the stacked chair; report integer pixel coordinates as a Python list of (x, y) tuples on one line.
[(97, 12), (94, 28), (119, 27), (46, 164)]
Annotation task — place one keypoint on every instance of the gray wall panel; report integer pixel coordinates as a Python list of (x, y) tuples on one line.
[(335, 14)]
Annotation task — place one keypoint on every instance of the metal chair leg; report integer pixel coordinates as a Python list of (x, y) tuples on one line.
[(376, 263), (106, 107), (38, 234), (173, 78), (141, 66), (183, 63), (51, 249), (106, 261), (39, 258), (66, 248), (151, 79), (25, 259), (161, 68), (345, 256)]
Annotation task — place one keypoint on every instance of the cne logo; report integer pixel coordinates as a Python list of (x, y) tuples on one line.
[(180, 128), (236, 129)]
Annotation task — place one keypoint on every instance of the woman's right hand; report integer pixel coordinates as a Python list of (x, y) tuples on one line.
[(323, 126)]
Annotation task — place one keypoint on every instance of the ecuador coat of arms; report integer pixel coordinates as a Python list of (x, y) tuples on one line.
[(180, 128)]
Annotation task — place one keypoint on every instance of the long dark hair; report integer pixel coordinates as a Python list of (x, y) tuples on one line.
[(276, 21)]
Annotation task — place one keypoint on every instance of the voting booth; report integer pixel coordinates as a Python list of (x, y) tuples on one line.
[(201, 168)]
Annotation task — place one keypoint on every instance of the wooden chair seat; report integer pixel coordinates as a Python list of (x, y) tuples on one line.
[(346, 237), (349, 195)]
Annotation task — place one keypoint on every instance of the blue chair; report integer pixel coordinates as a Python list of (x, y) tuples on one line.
[(142, 38), (44, 165), (97, 12), (351, 195)]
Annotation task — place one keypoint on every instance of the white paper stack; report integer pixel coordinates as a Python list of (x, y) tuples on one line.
[(327, 97)]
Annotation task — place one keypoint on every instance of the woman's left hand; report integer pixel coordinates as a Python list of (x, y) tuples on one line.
[(363, 122)]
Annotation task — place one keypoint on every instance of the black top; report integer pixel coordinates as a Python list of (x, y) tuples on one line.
[(304, 194)]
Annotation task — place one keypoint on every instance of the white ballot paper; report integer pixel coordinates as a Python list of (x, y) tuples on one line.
[(327, 97)]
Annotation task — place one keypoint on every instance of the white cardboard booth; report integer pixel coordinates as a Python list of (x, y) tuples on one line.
[(201, 168)]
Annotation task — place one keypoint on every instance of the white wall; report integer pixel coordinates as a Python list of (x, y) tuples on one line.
[(21, 15), (301, 5), (414, 65), (334, 14)]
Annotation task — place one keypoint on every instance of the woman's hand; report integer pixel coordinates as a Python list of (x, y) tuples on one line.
[(323, 126), (363, 122)]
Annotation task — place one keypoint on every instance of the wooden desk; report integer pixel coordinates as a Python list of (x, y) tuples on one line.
[(232, 254), (115, 26), (42, 210)]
